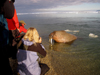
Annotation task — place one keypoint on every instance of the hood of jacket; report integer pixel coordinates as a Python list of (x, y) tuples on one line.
[(27, 42)]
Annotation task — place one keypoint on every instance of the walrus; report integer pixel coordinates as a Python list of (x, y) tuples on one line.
[(61, 37)]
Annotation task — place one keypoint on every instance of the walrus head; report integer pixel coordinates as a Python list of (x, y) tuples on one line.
[(51, 38)]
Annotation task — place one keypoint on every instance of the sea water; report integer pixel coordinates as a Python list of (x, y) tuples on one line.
[(82, 57)]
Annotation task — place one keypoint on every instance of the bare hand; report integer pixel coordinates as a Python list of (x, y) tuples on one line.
[(40, 40)]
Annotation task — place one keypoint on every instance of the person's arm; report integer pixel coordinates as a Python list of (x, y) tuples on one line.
[(41, 50), (22, 29)]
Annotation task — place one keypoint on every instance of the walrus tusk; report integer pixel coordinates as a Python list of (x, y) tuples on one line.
[(50, 40)]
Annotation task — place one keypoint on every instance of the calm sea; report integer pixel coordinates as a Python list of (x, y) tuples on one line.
[(80, 58)]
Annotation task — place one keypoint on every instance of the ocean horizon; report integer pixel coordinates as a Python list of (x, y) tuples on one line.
[(61, 12)]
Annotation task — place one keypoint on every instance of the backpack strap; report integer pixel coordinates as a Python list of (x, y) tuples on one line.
[(19, 44), (22, 46)]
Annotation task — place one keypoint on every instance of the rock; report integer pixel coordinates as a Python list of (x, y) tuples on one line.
[(93, 35), (62, 37)]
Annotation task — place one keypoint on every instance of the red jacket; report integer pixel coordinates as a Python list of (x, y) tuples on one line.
[(13, 23), (22, 29)]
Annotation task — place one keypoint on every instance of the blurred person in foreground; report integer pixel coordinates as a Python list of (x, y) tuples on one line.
[(6, 11)]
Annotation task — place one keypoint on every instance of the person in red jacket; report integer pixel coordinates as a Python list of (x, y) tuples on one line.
[(21, 26), (13, 23)]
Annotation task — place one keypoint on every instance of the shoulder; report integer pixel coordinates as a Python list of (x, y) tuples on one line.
[(36, 48)]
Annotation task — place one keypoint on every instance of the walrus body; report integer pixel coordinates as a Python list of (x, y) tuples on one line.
[(62, 37)]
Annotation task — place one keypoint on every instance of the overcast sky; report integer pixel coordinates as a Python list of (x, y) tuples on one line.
[(56, 5)]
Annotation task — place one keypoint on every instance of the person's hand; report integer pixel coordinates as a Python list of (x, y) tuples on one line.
[(18, 29), (40, 40)]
